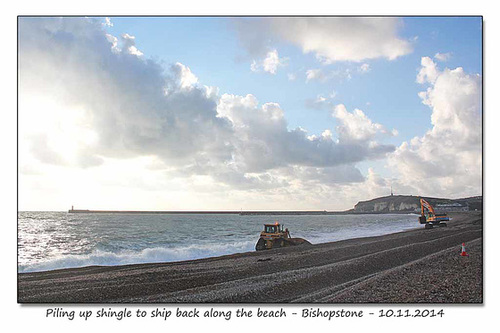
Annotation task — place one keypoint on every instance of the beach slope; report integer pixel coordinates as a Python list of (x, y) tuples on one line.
[(416, 266)]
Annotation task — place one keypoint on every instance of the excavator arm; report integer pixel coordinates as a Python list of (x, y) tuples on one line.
[(425, 205), (428, 215)]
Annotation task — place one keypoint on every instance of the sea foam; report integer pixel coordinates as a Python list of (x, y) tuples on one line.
[(148, 255)]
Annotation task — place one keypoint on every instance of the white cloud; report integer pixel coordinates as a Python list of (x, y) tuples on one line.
[(331, 39), (428, 72), (365, 68), (442, 56), (129, 45), (322, 76), (318, 103), (187, 79), (123, 96), (264, 142), (356, 126), (270, 63), (114, 43), (320, 99), (107, 22), (254, 66), (321, 102), (447, 159), (315, 74)]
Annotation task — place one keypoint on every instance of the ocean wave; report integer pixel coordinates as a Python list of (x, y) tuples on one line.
[(148, 255), (111, 241)]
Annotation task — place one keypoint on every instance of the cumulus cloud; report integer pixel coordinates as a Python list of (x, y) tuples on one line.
[(428, 72), (356, 126), (447, 160), (266, 142), (129, 45), (123, 95), (126, 43), (186, 78), (331, 39), (87, 97), (270, 63)]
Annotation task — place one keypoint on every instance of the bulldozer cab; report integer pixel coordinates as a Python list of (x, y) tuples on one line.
[(273, 235), (273, 228)]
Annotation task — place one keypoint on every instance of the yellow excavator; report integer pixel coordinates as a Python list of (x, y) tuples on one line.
[(275, 236), (429, 217)]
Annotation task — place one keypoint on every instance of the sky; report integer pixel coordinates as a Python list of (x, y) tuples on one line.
[(252, 113)]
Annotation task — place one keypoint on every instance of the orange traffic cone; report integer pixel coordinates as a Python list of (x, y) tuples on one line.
[(464, 254)]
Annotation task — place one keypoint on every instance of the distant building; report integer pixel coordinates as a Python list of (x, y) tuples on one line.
[(451, 207)]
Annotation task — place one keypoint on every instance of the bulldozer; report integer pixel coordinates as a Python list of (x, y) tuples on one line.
[(276, 236), (429, 218)]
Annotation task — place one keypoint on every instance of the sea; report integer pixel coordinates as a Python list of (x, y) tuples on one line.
[(55, 240)]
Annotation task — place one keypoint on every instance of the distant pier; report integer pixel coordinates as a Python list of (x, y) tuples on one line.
[(232, 212)]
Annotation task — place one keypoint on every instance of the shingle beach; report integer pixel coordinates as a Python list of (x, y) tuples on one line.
[(416, 266)]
